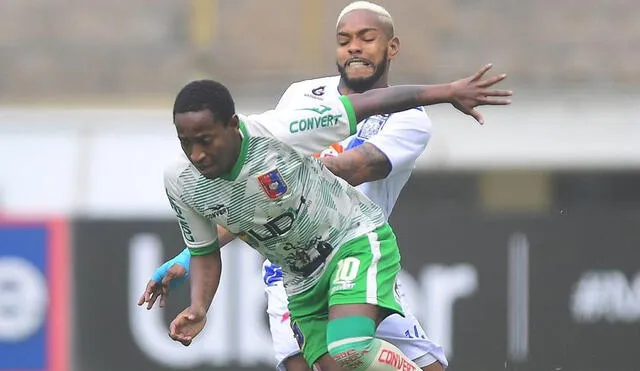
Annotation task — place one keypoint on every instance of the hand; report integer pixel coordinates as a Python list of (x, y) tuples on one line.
[(155, 290), (470, 92), (187, 325)]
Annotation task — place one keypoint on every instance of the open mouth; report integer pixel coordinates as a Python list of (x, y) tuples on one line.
[(358, 62)]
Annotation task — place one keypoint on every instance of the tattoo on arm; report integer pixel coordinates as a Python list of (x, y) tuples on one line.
[(365, 163)]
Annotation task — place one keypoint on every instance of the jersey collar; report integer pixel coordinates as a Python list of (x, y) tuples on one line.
[(235, 170)]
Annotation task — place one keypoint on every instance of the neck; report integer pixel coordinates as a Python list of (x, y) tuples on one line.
[(345, 90)]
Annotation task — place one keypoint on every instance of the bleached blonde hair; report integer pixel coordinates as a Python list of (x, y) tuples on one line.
[(381, 12)]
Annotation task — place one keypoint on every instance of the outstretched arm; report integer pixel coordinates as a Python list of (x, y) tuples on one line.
[(464, 94), (173, 273), (311, 129)]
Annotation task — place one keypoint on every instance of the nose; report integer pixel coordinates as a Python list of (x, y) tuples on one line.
[(197, 154), (355, 47)]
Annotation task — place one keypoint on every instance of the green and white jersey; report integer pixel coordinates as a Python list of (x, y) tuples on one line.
[(281, 201)]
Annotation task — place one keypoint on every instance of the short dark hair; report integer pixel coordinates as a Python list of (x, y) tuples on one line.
[(205, 94)]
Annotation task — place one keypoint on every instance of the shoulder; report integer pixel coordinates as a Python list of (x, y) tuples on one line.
[(414, 117), (176, 173), (316, 88)]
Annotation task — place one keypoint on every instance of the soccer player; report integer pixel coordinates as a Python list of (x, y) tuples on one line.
[(339, 256), (380, 159)]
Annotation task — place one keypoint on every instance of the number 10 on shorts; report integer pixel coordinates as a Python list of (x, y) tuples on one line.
[(345, 274)]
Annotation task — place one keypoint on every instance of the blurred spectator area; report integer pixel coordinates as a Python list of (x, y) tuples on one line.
[(134, 50)]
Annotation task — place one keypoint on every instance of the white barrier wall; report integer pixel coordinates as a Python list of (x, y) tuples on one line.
[(110, 162)]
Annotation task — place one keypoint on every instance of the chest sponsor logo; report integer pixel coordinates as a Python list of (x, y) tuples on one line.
[(275, 227)]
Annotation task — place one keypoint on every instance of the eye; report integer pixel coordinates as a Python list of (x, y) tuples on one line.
[(205, 140), (343, 41), (369, 37)]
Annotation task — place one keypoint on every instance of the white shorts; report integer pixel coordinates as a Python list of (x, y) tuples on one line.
[(406, 333)]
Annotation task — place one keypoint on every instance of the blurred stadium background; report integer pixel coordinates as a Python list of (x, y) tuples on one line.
[(520, 238)]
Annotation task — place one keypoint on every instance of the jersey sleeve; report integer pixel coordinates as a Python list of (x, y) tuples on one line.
[(403, 139), (308, 129), (200, 235)]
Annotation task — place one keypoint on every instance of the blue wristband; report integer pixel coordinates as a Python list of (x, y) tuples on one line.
[(183, 259)]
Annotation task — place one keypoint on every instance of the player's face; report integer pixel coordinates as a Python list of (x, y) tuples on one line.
[(211, 146), (364, 49)]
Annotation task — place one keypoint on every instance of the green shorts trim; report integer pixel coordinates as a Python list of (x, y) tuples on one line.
[(364, 271)]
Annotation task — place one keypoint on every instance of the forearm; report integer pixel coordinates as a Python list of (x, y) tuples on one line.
[(362, 164), (205, 278), (398, 98), (341, 170), (184, 258)]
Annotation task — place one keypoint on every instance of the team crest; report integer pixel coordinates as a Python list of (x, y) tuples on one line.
[(273, 184), (367, 129), (372, 125)]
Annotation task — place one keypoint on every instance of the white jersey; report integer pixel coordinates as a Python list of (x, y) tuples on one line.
[(401, 136), (284, 203)]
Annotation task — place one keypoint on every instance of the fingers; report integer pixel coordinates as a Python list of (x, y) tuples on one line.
[(165, 289), (175, 331), (163, 300), (148, 292), (184, 339), (494, 102), (143, 298), (477, 115), (487, 98), (497, 93), (478, 75), (492, 80), (153, 298)]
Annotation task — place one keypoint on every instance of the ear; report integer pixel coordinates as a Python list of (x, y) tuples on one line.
[(234, 122), (393, 48)]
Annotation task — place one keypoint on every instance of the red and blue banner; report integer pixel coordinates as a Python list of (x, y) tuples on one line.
[(34, 297)]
